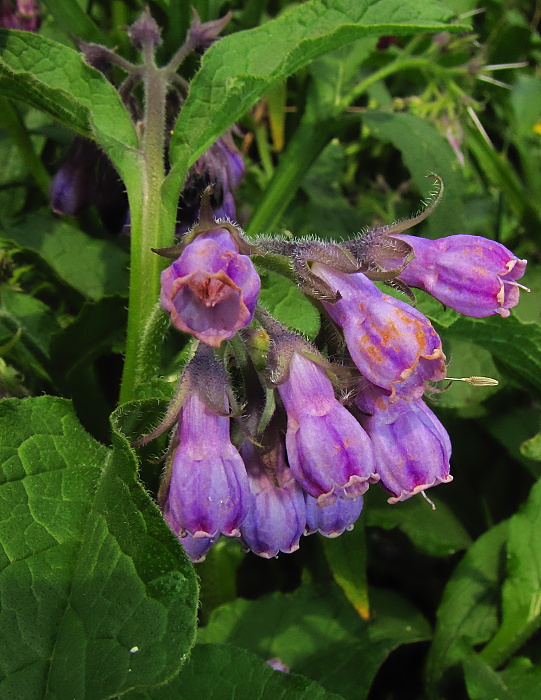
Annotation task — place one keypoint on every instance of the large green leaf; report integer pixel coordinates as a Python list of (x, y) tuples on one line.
[(468, 613), (425, 151), (223, 672), (94, 267), (56, 79), (316, 632), (436, 532), (240, 68), (521, 598), (97, 596)]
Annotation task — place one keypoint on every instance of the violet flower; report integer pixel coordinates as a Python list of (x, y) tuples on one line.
[(221, 167), (411, 447), (329, 453), (211, 290), (334, 519), (470, 274), (208, 489), (277, 514), (393, 345), (26, 15)]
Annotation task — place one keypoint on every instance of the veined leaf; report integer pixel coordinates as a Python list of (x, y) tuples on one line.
[(97, 595)]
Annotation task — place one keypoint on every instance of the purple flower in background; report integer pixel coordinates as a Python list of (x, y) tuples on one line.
[(411, 447), (221, 167), (332, 520), (208, 490), (278, 665), (393, 345), (26, 15), (472, 275), (211, 290), (329, 453), (277, 514), (73, 186)]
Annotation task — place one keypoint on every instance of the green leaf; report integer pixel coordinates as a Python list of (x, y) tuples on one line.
[(438, 532), (521, 611), (287, 303), (32, 316), (223, 672), (97, 595), (483, 682), (92, 266), (346, 556), (531, 449), (514, 345), (71, 17), (56, 79), (316, 632), (425, 151), (523, 679), (239, 69), (468, 613), (98, 330)]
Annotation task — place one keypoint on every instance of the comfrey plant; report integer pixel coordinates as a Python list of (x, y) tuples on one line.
[(320, 422)]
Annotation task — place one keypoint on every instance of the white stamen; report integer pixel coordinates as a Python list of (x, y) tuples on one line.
[(475, 381), (505, 66), (478, 124), (516, 284), (427, 499), (493, 81)]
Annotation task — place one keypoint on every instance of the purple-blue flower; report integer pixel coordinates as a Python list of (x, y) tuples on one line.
[(329, 453), (211, 290), (470, 274), (208, 490), (411, 447), (332, 520), (393, 345), (277, 513)]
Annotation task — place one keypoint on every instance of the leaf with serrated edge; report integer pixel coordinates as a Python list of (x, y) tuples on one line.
[(55, 79), (222, 672), (240, 68), (97, 595)]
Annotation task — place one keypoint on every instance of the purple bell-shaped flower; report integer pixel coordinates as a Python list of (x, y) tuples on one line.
[(470, 274), (277, 514)]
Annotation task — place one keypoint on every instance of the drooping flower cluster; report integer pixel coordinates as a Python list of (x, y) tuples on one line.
[(313, 433)]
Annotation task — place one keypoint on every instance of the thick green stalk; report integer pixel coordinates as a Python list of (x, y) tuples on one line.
[(146, 229)]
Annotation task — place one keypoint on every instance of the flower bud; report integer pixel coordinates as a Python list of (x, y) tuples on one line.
[(277, 514), (411, 447), (393, 345), (211, 290), (329, 453), (332, 520), (470, 274), (206, 489), (145, 32), (73, 186)]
